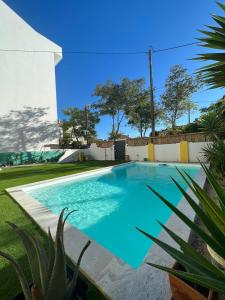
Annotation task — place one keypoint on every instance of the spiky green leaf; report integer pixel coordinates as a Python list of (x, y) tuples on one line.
[(210, 283), (21, 276), (51, 254), (206, 237), (30, 251), (72, 285), (58, 279), (42, 262)]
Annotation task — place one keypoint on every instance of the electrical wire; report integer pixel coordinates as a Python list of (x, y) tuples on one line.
[(97, 52), (174, 47), (74, 52)]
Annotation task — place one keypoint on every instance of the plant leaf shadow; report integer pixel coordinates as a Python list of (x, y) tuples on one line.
[(21, 130)]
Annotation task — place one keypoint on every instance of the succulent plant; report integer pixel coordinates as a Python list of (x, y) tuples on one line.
[(212, 214), (48, 268)]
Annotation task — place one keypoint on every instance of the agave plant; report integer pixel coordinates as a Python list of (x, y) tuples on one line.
[(214, 73), (48, 269), (212, 214)]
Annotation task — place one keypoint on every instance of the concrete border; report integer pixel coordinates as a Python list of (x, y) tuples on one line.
[(112, 276)]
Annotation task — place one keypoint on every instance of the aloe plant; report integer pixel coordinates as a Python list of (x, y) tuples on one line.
[(48, 268), (212, 214)]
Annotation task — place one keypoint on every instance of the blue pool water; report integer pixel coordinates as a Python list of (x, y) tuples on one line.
[(112, 204)]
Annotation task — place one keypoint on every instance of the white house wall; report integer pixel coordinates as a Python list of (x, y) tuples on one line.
[(28, 108)]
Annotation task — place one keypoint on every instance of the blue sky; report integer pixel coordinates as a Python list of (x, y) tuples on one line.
[(118, 25)]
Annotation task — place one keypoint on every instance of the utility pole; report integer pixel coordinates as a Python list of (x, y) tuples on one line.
[(189, 111), (151, 92), (189, 115), (86, 121)]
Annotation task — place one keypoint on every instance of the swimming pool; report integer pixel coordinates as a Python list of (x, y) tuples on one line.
[(111, 204)]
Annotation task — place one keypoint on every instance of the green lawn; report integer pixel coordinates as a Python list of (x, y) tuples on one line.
[(9, 210)]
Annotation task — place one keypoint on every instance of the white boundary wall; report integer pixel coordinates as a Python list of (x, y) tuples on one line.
[(195, 151), (92, 153), (137, 152), (163, 153), (167, 152), (97, 153), (70, 155)]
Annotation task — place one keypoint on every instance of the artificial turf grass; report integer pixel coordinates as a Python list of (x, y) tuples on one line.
[(10, 211)]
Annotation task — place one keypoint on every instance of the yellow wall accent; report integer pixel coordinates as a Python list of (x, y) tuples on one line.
[(151, 154), (184, 155)]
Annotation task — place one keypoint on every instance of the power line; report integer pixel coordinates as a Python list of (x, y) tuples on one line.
[(174, 47), (204, 101), (103, 53), (97, 52), (106, 53), (75, 52)]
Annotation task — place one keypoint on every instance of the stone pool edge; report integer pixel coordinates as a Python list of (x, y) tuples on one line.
[(113, 277)]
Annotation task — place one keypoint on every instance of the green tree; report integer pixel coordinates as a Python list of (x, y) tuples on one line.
[(214, 73), (215, 154), (212, 121), (176, 99), (65, 134), (81, 122), (139, 113), (218, 107), (115, 99)]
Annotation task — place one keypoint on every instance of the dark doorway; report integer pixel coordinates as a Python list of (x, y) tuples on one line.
[(119, 149)]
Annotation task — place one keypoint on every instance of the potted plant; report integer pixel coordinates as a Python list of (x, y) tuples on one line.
[(196, 269), (48, 268), (182, 289)]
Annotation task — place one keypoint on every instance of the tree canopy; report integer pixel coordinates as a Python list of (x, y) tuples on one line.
[(218, 107), (176, 99), (139, 113), (115, 100), (212, 120), (81, 122)]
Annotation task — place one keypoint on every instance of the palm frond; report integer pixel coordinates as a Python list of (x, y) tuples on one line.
[(214, 75)]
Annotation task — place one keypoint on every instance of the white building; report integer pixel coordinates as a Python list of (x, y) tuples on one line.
[(28, 108)]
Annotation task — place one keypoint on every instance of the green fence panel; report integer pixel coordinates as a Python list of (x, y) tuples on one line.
[(30, 157)]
